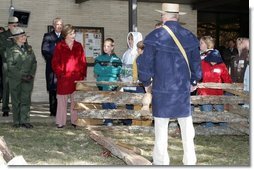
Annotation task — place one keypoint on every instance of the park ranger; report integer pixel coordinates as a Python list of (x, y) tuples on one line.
[(22, 66), (6, 43)]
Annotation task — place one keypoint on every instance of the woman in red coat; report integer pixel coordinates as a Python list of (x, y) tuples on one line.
[(69, 65)]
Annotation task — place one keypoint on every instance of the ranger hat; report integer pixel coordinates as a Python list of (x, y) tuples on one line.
[(170, 8), (13, 20), (17, 31)]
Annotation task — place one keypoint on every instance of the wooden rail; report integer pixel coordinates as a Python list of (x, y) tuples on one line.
[(87, 94)]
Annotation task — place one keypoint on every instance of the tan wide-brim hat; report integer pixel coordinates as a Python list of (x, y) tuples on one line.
[(170, 8), (17, 31), (13, 20)]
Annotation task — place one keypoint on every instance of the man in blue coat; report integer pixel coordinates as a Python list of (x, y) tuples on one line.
[(173, 77), (47, 49)]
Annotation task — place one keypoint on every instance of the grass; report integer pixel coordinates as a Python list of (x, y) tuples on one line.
[(47, 145)]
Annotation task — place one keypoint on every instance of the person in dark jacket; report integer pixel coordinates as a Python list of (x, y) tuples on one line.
[(47, 49), (5, 44), (173, 78)]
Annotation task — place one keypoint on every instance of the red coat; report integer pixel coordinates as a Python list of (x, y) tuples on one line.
[(69, 66), (217, 73)]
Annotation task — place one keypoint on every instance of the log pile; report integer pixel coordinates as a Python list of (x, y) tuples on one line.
[(88, 104), (87, 94)]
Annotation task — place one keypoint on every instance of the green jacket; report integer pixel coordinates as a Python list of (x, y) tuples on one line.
[(21, 63), (5, 43), (107, 68)]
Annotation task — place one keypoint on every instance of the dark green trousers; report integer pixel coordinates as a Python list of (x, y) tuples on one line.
[(6, 93), (21, 100)]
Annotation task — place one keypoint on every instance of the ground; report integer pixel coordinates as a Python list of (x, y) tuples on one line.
[(47, 145)]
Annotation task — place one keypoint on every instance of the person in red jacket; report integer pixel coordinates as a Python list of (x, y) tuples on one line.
[(214, 71), (69, 65)]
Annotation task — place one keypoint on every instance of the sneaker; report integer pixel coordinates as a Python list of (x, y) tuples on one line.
[(208, 125), (109, 124), (223, 124)]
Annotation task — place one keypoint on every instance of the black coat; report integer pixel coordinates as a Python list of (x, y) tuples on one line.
[(47, 49)]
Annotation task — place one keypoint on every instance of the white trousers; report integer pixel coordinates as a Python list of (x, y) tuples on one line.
[(160, 151)]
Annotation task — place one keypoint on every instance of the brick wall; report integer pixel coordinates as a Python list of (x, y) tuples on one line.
[(110, 14)]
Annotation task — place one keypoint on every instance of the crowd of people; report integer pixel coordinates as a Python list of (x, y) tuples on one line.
[(170, 60)]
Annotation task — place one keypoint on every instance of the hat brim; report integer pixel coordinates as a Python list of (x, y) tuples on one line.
[(163, 12), (18, 36)]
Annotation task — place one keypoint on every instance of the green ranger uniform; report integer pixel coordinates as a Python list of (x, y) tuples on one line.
[(5, 43), (22, 66)]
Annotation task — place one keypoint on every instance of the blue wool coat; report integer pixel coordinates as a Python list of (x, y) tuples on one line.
[(163, 62)]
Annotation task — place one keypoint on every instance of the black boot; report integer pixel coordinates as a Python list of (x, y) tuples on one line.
[(5, 114)]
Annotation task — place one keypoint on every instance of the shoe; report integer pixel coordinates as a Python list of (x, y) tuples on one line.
[(60, 126), (223, 124), (27, 125), (16, 125), (5, 114), (109, 124), (208, 125), (74, 125)]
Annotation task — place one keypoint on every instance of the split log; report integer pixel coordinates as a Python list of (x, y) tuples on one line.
[(127, 155), (199, 116), (116, 97), (240, 127), (115, 114), (240, 93), (132, 148), (235, 86), (2, 161), (7, 154), (117, 83), (120, 98), (217, 100), (237, 109)]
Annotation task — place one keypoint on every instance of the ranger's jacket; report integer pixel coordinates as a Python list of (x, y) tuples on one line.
[(21, 63), (5, 43)]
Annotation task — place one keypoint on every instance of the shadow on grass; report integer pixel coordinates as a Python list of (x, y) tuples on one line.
[(47, 145)]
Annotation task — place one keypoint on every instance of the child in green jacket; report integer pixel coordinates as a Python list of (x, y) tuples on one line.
[(107, 68)]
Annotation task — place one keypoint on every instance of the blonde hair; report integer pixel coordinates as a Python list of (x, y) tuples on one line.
[(209, 41), (67, 29)]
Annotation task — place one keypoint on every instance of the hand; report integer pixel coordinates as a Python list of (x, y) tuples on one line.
[(148, 89), (193, 88)]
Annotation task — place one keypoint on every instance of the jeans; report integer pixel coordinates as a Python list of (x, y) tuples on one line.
[(108, 106), (209, 107), (131, 106)]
